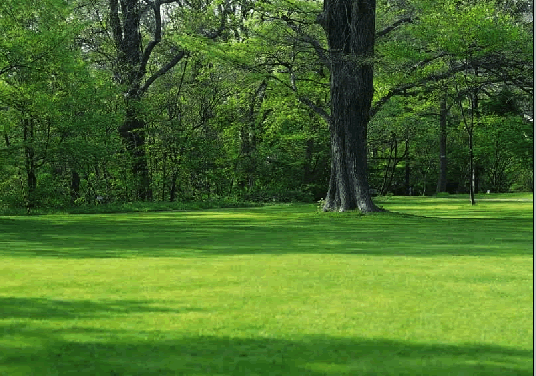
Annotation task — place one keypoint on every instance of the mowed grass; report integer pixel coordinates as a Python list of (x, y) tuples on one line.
[(434, 287)]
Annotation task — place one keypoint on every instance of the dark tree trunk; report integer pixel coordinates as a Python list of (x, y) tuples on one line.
[(390, 167), (125, 25), (350, 29), (75, 186), (471, 168), (30, 163), (6, 139), (248, 135), (409, 190), (164, 177), (442, 180), (477, 178), (173, 189), (308, 168), (132, 132), (130, 70)]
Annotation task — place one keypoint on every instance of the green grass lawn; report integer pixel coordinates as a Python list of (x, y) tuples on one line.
[(433, 287)]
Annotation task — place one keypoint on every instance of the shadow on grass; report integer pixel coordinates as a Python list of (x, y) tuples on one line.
[(54, 309), (277, 230), (85, 351)]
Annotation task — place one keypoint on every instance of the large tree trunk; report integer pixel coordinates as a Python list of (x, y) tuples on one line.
[(125, 25), (131, 71), (132, 132), (350, 29)]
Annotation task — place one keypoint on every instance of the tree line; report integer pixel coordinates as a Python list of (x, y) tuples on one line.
[(161, 100)]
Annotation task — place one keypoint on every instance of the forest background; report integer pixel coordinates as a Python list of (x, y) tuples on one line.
[(107, 101)]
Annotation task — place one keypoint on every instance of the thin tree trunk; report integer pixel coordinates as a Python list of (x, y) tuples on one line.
[(469, 127), (442, 180), (248, 136), (471, 168), (390, 168), (383, 189), (408, 171), (477, 178), (173, 189), (164, 177), (6, 139), (308, 162), (475, 115), (350, 29), (75, 186), (30, 163)]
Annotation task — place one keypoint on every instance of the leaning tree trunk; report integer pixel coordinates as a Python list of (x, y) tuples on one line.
[(350, 29)]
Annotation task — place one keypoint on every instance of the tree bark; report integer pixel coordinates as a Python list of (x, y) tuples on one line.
[(350, 29), (125, 24), (132, 132)]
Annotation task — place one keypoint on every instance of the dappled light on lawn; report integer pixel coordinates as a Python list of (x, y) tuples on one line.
[(281, 290)]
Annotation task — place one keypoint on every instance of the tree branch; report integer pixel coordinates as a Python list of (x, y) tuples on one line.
[(388, 29), (224, 11), (319, 110), (320, 51), (162, 71), (399, 90), (306, 101), (157, 37)]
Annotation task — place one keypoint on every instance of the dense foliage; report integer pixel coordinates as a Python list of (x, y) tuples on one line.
[(229, 99)]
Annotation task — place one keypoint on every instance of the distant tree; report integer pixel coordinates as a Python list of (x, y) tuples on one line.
[(132, 57), (52, 116)]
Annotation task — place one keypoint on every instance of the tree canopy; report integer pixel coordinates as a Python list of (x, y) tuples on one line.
[(166, 100)]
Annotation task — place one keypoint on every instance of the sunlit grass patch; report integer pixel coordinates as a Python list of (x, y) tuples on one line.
[(511, 206)]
